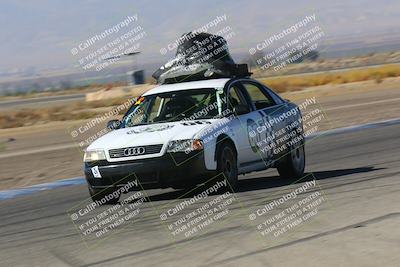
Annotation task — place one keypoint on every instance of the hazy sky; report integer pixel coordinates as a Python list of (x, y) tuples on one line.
[(43, 32)]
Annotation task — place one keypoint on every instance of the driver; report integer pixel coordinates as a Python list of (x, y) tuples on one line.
[(175, 107)]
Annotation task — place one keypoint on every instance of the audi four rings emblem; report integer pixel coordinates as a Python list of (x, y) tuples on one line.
[(134, 151)]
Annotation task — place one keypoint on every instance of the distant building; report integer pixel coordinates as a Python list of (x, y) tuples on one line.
[(135, 77)]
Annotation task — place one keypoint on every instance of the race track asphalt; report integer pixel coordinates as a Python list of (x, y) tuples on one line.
[(357, 223)]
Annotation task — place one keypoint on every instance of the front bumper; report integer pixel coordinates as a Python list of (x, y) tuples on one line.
[(160, 172)]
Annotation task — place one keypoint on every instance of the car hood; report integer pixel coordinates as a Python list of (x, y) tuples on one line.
[(153, 134)]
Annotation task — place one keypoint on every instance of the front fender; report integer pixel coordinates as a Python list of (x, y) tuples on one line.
[(211, 137)]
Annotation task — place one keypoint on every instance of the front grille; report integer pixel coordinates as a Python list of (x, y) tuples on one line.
[(120, 152)]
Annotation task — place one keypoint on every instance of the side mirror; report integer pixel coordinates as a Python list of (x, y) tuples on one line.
[(241, 109), (113, 124)]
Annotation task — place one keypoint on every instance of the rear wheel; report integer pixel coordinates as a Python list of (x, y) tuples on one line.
[(292, 165), (227, 165), (104, 196)]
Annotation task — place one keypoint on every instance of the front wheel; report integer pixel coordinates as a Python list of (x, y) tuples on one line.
[(292, 165), (227, 165), (104, 196)]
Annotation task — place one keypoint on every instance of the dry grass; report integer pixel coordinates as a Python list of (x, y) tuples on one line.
[(77, 111), (100, 103), (293, 83), (86, 110)]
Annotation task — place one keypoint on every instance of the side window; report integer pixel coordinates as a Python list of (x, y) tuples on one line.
[(278, 100), (235, 97), (258, 96)]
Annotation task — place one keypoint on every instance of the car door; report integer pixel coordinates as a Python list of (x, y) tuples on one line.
[(269, 127), (243, 125)]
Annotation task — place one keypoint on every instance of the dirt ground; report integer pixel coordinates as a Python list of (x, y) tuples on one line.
[(49, 152)]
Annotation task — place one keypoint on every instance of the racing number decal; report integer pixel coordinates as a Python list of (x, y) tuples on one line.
[(253, 135), (261, 136)]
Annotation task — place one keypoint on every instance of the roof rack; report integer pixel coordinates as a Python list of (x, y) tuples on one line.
[(200, 56)]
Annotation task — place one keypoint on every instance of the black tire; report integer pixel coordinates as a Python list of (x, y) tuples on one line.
[(292, 165), (227, 164), (99, 195)]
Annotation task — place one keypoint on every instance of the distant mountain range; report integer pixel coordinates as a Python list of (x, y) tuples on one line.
[(37, 36)]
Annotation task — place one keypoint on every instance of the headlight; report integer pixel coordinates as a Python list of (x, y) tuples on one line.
[(94, 155), (186, 145)]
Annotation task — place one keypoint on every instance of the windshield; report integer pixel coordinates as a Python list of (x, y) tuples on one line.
[(194, 104)]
